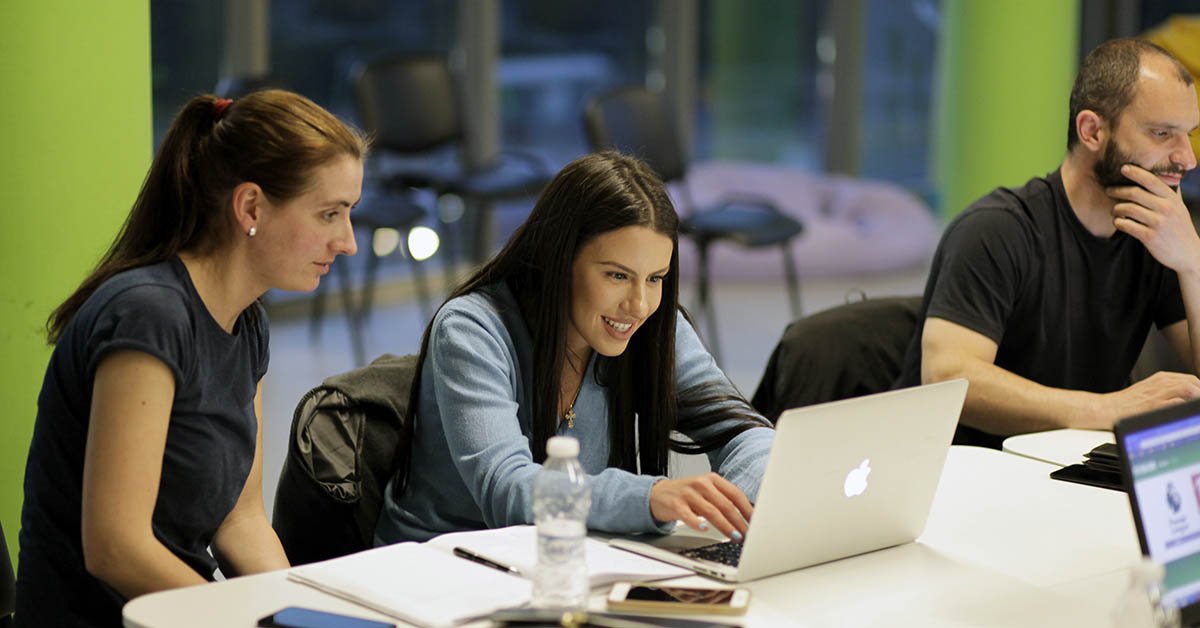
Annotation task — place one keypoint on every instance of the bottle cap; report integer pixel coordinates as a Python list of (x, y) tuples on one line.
[(1146, 570), (562, 447)]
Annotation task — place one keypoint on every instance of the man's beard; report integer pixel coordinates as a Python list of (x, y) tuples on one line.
[(1108, 168)]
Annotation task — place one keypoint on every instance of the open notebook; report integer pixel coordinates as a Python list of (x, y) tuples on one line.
[(426, 584)]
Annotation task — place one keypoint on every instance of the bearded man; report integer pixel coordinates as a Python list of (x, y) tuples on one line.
[(1042, 296)]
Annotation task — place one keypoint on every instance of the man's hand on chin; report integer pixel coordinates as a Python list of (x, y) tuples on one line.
[(1154, 213)]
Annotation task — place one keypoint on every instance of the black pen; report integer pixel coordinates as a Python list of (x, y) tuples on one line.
[(463, 552)]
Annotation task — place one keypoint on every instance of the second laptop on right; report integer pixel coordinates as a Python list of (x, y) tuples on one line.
[(1160, 463)]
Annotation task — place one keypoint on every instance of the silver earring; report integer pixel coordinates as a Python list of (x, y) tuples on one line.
[(252, 231)]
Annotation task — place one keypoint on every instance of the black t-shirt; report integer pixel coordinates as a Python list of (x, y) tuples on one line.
[(1066, 309), (210, 439)]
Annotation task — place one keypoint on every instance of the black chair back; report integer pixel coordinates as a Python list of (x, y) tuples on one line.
[(635, 121), (408, 103)]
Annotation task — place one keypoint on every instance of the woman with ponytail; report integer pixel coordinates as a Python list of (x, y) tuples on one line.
[(575, 328), (147, 449)]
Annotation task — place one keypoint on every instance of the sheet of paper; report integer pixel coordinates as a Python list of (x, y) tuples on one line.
[(516, 546), (417, 583)]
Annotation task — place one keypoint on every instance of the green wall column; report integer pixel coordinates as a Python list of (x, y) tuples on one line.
[(1006, 70), (75, 118), (752, 90)]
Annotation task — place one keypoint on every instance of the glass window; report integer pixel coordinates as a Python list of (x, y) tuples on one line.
[(555, 56), (186, 39), (315, 44), (897, 89), (766, 82), (758, 74)]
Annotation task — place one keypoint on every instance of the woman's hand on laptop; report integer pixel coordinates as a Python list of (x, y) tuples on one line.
[(709, 496)]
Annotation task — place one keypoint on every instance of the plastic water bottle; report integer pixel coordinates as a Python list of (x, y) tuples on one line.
[(562, 497), (1141, 606)]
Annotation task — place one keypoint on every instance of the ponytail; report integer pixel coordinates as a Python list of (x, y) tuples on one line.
[(274, 138)]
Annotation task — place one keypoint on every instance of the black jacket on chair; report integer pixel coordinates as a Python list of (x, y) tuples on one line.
[(348, 440), (846, 351)]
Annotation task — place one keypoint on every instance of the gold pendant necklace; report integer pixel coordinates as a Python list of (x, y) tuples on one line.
[(569, 415)]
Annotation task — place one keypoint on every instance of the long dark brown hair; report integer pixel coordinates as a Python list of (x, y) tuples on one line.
[(592, 195), (274, 138)]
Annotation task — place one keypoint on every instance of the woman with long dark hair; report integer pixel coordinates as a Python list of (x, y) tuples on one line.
[(147, 448), (575, 328)]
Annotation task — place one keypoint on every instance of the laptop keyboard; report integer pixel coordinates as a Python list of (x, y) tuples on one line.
[(725, 552)]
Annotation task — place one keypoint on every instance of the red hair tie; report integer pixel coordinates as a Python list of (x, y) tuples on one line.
[(219, 107)]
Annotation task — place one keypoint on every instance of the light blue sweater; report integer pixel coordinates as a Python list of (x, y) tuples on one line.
[(472, 466)]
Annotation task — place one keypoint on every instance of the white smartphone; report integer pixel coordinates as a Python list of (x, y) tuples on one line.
[(642, 596)]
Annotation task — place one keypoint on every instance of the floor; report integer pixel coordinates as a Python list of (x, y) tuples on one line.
[(751, 316)]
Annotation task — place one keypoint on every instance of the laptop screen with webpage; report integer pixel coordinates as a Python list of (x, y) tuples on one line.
[(1163, 472)]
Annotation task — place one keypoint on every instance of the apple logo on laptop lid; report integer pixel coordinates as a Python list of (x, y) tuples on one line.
[(856, 480)]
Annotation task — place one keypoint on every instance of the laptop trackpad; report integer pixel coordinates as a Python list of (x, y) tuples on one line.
[(684, 538)]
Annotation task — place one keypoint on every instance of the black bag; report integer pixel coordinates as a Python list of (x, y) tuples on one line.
[(348, 439)]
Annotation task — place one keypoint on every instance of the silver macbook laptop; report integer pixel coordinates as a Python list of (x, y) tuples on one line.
[(843, 478)]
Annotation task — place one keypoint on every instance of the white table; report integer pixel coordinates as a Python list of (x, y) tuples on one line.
[(1004, 546), (1058, 447)]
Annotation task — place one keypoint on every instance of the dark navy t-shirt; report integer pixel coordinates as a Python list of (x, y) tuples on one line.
[(209, 448), (1067, 309)]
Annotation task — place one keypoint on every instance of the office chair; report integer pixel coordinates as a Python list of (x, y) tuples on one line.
[(348, 439), (8, 584), (411, 107), (634, 120)]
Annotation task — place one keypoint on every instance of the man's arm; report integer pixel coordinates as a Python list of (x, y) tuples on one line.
[(1184, 336), (1178, 336), (1187, 345), (1001, 402), (1155, 214)]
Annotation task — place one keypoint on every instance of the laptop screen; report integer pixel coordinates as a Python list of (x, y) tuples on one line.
[(1164, 465)]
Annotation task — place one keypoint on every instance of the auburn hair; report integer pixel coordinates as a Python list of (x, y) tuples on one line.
[(274, 138)]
